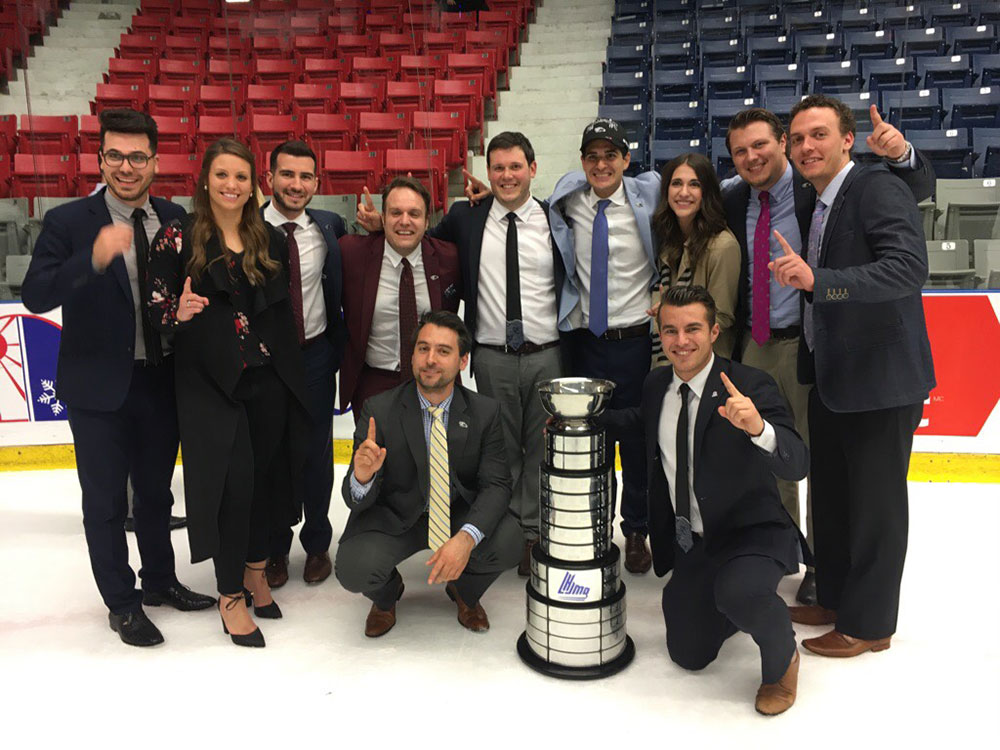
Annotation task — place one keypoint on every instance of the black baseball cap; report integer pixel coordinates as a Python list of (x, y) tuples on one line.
[(605, 129)]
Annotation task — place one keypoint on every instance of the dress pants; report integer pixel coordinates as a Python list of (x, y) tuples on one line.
[(859, 462), (371, 382), (366, 563), (317, 473), (138, 439), (246, 510), (705, 602), (513, 380), (626, 363)]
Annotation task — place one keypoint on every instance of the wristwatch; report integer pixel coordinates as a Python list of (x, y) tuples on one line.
[(905, 157)]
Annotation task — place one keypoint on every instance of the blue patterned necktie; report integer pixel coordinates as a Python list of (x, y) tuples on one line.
[(598, 323), (812, 257)]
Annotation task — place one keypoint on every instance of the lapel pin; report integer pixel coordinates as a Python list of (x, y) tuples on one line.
[(463, 424), (714, 394), (435, 277)]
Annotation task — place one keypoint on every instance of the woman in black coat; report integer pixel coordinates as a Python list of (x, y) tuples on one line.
[(218, 283)]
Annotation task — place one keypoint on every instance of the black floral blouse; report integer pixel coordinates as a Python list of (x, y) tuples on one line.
[(166, 281)]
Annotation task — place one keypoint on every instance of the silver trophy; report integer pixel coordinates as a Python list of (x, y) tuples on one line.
[(576, 600)]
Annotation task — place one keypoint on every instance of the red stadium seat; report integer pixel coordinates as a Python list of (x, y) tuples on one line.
[(443, 131), (176, 134), (268, 71), (489, 39), (375, 22), (6, 172), (349, 172), (443, 42), (220, 100), (182, 72), (271, 48), (131, 70), (477, 66), (173, 101), (457, 22), (48, 134), (271, 26), (141, 46), (355, 44), (325, 70), (417, 67), (228, 47), (49, 175), (313, 97), (360, 97), (500, 19), (177, 174), (378, 131), (90, 134), (88, 176), (312, 45), (149, 23), (199, 8), (115, 95), (451, 96), (212, 127), (308, 24), (234, 72), (269, 99), (193, 27), (8, 133), (180, 47), (331, 132), (267, 131), (369, 68), (426, 165), (407, 43), (408, 96)]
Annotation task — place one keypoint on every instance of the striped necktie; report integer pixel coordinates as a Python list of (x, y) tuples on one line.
[(439, 509)]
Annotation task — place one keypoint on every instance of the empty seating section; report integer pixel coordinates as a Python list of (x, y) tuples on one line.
[(401, 89)]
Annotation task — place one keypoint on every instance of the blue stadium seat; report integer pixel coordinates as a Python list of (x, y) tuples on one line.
[(907, 17), (674, 56), (986, 68), (988, 13), (835, 78), (819, 47), (639, 162), (808, 22), (950, 71), (638, 8), (929, 41), (860, 104), (982, 38), (625, 88), (781, 105), (721, 111), (722, 53), (772, 80), (727, 83), (919, 109), (972, 108), (664, 151), (863, 45), (665, 8), (668, 30), (953, 14), (627, 58), (676, 85), (861, 153), (948, 151), (634, 119), (889, 75), (725, 27), (631, 32), (986, 147), (770, 50), (678, 120), (765, 24), (721, 159), (856, 19)]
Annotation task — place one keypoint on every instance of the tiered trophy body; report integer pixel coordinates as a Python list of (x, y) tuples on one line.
[(576, 600)]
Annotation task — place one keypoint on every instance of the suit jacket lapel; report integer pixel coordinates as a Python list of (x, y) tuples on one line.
[(99, 208), (804, 196), (373, 270), (834, 211), (413, 431), (431, 272), (458, 430), (711, 397)]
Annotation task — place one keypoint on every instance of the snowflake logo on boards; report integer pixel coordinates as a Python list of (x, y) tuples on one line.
[(48, 398)]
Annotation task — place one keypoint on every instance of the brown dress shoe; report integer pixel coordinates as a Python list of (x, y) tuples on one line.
[(776, 698), (473, 618), (812, 614), (637, 557), (524, 567), (277, 571), (840, 645), (318, 568), (380, 621)]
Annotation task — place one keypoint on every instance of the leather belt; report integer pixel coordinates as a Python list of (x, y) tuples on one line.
[(632, 332), (526, 348), (784, 334)]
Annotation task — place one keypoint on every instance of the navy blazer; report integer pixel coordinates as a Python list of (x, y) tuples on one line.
[(872, 350), (97, 347), (741, 509), (463, 226), (332, 227)]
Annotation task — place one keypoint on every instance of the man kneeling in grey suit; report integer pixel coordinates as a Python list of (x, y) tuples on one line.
[(429, 471)]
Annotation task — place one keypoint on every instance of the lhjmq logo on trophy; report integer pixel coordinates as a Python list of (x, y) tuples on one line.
[(576, 600)]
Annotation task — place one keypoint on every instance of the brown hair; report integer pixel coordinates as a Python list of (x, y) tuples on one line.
[(413, 184), (755, 114), (682, 296), (844, 113), (709, 221), (257, 263)]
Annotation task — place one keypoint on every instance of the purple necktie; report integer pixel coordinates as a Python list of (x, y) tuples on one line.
[(760, 322), (812, 258)]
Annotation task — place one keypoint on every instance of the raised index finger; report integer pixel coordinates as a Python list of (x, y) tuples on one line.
[(733, 391), (187, 285), (784, 243), (875, 116), (371, 429), (369, 204)]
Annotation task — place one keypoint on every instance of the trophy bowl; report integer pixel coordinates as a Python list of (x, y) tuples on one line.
[(575, 398)]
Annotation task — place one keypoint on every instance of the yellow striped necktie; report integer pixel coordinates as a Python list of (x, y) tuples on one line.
[(439, 510)]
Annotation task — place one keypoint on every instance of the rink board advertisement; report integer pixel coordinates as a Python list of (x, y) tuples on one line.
[(961, 415)]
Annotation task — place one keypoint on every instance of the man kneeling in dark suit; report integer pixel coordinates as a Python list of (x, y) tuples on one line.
[(717, 433), (429, 471)]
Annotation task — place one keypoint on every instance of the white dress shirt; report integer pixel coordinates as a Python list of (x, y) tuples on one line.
[(312, 256), (537, 276), (630, 274), (383, 342), (667, 436)]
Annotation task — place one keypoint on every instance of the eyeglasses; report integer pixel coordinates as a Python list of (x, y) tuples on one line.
[(115, 158)]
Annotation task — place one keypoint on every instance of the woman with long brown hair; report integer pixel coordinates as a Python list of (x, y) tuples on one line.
[(695, 245), (218, 283)]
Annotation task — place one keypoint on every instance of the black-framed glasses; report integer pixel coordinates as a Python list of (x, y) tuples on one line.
[(137, 159)]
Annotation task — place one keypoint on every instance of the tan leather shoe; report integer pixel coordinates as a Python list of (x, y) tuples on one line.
[(524, 567), (277, 571), (812, 614), (843, 646), (380, 621), (637, 557), (318, 568), (777, 697), (472, 618)]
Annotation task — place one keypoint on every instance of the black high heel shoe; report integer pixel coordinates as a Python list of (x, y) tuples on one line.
[(268, 611), (252, 640)]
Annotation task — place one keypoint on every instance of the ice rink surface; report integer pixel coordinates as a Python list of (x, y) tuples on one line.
[(65, 677)]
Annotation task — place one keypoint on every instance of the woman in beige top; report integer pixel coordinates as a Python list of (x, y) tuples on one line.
[(695, 246)]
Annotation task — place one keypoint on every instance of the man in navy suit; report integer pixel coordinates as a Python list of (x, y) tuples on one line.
[(115, 374), (865, 347), (315, 287), (723, 532)]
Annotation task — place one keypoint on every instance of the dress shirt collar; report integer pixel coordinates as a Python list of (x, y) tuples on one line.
[(445, 405), (499, 212), (395, 258), (276, 219), (830, 194), (697, 383), (617, 198), (118, 208), (781, 188)]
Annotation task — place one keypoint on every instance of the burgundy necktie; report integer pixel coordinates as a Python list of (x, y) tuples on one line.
[(295, 282), (407, 320), (760, 320)]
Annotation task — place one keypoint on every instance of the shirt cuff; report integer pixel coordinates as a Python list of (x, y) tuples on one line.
[(359, 490), (767, 441), (908, 163), (476, 534)]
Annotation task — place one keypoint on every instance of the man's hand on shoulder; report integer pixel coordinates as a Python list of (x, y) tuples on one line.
[(113, 240), (369, 457), (451, 558)]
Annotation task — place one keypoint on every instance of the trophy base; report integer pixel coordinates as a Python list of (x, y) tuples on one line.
[(562, 672)]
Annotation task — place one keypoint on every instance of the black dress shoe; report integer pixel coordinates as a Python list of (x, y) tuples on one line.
[(135, 629), (178, 522), (807, 590), (179, 597)]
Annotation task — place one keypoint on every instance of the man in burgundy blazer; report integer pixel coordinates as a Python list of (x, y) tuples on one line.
[(377, 269)]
